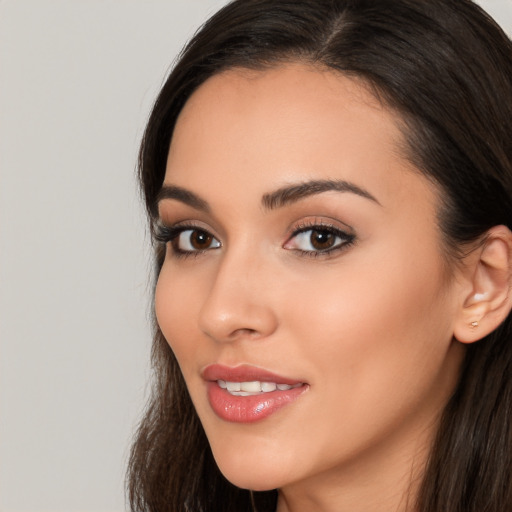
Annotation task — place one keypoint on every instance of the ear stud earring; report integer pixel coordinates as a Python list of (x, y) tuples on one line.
[(474, 325)]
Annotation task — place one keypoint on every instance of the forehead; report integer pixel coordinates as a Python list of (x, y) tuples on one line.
[(284, 104), (258, 130)]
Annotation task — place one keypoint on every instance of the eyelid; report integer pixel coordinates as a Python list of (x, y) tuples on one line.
[(346, 234), (168, 233), (319, 222), (187, 247), (166, 226)]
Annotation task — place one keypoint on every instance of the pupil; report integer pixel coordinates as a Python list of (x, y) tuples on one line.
[(200, 239), (321, 239)]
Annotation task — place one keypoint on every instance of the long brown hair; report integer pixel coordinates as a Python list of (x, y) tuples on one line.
[(446, 67)]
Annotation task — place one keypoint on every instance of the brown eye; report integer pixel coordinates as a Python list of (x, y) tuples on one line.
[(200, 240), (194, 240), (321, 240)]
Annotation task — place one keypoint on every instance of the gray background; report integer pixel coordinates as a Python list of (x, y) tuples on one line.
[(77, 79)]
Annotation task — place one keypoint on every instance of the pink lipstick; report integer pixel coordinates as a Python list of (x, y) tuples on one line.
[(244, 394)]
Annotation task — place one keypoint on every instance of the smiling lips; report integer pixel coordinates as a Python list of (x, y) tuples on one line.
[(254, 387), (245, 394)]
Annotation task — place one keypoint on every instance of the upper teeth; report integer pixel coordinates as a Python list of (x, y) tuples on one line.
[(253, 387)]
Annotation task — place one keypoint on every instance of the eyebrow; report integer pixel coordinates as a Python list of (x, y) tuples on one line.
[(277, 199), (183, 195), (293, 193)]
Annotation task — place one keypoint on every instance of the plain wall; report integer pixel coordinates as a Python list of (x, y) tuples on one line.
[(77, 79)]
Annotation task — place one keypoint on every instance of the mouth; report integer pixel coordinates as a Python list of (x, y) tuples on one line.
[(254, 387), (245, 394)]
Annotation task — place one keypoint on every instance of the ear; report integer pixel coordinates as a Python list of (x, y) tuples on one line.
[(487, 282)]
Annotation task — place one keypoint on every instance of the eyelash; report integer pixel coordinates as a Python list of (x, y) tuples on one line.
[(346, 239), (169, 234)]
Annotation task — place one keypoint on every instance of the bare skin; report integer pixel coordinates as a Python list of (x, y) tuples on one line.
[(344, 287)]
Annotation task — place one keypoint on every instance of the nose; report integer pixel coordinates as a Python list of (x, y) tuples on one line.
[(238, 304)]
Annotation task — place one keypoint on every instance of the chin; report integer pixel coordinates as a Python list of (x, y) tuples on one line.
[(254, 481), (240, 468)]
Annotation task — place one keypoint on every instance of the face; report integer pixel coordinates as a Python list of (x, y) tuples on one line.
[(304, 273)]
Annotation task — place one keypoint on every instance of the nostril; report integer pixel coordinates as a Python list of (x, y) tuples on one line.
[(230, 328), (252, 333)]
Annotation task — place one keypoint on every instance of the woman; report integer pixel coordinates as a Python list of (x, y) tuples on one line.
[(329, 186)]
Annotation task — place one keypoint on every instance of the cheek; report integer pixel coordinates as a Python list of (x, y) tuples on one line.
[(376, 332), (376, 358), (166, 309), (175, 301)]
